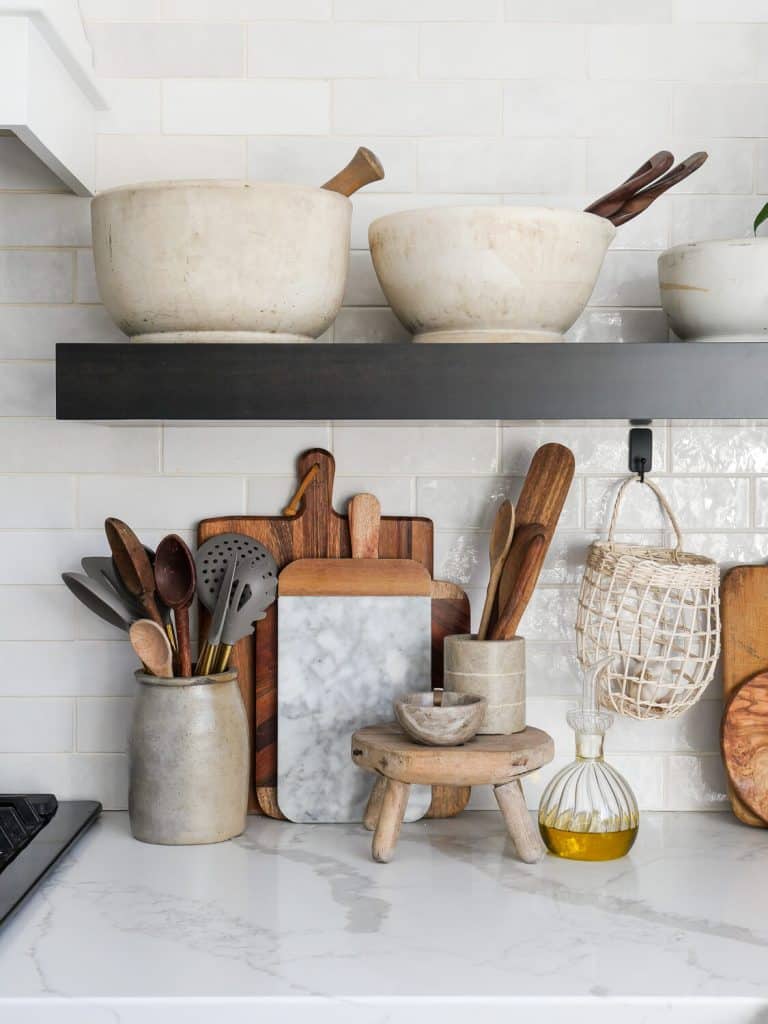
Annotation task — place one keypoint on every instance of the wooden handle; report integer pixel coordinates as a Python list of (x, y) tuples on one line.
[(317, 513), (364, 511), (294, 504), (650, 170), (490, 597), (525, 584), (642, 200), (182, 636), (362, 169)]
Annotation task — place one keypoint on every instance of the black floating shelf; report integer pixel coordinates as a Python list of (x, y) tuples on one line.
[(404, 381)]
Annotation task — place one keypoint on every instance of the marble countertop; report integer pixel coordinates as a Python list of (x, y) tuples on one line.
[(298, 922)]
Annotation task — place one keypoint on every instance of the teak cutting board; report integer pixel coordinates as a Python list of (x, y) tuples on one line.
[(353, 635), (744, 744), (317, 531), (744, 609)]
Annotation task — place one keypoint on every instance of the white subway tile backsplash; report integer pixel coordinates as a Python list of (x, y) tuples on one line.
[(542, 107), (101, 777), (597, 448), (103, 724), (730, 111), (393, 451), (32, 332), (416, 108), (697, 218), (693, 53), (324, 49), (470, 503), (127, 159), (21, 169), (372, 324), (68, 447), (310, 159), (415, 10), (37, 502), (537, 166), (35, 725), (714, 10), (36, 613), (716, 449), (363, 288), (486, 50), (135, 106), (237, 107), (27, 389), (86, 288), (729, 549), (619, 325), (66, 667), (238, 450), (202, 10), (699, 503), (589, 11), (127, 49), (160, 503), (627, 279), (695, 783), (39, 275)]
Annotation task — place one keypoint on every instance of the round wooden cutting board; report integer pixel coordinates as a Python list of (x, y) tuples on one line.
[(744, 743)]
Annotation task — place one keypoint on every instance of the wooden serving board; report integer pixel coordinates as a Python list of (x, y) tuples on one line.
[(744, 743), (744, 609), (317, 531)]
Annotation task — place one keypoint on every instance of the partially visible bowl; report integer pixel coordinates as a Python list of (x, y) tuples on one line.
[(221, 260), (440, 718), (489, 273), (716, 291)]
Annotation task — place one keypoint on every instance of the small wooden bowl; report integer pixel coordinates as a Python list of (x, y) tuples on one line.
[(440, 718)]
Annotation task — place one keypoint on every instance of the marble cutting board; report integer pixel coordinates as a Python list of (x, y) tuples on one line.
[(342, 660)]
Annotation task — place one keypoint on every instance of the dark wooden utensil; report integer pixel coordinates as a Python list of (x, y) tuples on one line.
[(134, 566), (176, 581), (612, 201), (533, 541), (640, 201), (362, 169), (744, 744)]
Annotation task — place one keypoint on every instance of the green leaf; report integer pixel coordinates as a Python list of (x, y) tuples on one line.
[(763, 215)]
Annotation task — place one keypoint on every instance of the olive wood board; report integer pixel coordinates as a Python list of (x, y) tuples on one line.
[(744, 744), (351, 577), (744, 612)]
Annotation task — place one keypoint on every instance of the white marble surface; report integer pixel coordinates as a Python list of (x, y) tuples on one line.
[(343, 660), (298, 922)]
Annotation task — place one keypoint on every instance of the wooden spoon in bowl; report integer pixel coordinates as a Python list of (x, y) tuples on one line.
[(362, 169), (176, 582), (151, 645), (498, 549)]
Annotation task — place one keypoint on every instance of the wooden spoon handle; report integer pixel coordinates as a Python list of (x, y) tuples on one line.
[(651, 169), (362, 169), (490, 597), (182, 636), (525, 584), (642, 200)]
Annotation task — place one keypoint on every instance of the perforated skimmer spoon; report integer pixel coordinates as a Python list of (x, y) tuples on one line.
[(253, 590)]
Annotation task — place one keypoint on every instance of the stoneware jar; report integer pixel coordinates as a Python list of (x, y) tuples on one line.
[(494, 669), (189, 760)]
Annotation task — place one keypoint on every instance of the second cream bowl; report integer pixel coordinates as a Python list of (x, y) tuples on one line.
[(488, 273)]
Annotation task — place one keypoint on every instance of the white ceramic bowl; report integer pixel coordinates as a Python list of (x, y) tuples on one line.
[(221, 260), (716, 291), (488, 273)]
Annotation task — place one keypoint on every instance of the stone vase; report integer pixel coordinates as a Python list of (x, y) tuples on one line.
[(189, 760), (494, 669)]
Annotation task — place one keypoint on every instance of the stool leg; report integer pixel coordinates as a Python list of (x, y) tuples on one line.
[(373, 808), (390, 819), (527, 840)]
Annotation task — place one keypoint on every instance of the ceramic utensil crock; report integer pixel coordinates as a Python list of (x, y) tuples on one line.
[(494, 669), (189, 760)]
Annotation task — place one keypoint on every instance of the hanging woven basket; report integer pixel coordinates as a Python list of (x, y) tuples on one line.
[(656, 613)]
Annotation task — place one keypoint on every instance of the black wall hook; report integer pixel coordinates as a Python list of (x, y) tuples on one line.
[(640, 451)]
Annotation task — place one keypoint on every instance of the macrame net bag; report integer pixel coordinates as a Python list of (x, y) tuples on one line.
[(656, 613)]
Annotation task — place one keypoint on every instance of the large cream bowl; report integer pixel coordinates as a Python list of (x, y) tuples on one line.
[(221, 261), (488, 273)]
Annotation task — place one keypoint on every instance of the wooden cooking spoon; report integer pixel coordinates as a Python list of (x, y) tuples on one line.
[(362, 169), (640, 201), (134, 566), (498, 549), (652, 168), (176, 582), (151, 645), (525, 583)]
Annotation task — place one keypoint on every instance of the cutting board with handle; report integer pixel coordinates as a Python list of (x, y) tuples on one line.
[(318, 531), (353, 635), (744, 610)]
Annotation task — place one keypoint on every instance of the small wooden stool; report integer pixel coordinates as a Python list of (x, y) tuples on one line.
[(498, 761)]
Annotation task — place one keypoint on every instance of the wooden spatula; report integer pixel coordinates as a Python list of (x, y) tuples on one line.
[(532, 541), (498, 549), (541, 501), (362, 169)]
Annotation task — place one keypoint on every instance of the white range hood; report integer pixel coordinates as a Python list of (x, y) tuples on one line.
[(48, 92)]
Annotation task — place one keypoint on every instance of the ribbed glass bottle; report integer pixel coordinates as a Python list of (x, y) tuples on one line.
[(588, 811)]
